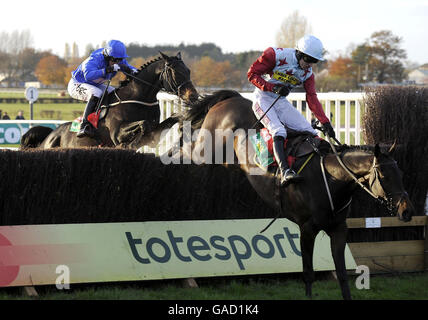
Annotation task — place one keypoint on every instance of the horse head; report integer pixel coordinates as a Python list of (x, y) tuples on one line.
[(386, 183), (175, 78)]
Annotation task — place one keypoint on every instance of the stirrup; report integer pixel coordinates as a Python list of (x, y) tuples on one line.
[(289, 176), (86, 131)]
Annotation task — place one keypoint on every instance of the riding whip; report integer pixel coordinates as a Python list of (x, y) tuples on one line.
[(102, 97), (261, 118), (264, 114)]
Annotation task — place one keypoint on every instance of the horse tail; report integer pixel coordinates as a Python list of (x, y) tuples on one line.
[(199, 109), (34, 137)]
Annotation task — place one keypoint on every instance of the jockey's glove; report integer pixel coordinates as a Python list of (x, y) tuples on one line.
[(113, 68), (281, 90), (125, 68), (329, 129)]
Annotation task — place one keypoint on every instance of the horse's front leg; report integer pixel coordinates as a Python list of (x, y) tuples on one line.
[(308, 232), (338, 244)]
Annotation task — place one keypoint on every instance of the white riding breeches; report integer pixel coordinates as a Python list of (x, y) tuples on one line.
[(281, 116), (84, 91)]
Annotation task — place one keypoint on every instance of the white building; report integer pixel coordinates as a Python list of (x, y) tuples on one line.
[(419, 76)]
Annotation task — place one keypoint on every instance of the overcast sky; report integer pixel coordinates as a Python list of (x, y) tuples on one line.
[(234, 25)]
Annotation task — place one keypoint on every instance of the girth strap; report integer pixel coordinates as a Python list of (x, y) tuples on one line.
[(278, 193), (149, 104), (328, 189)]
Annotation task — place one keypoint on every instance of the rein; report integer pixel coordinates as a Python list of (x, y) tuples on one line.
[(150, 104), (384, 200)]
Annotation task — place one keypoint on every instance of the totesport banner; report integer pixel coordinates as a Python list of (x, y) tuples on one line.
[(11, 131), (105, 252)]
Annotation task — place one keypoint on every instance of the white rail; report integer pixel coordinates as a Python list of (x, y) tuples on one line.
[(345, 108)]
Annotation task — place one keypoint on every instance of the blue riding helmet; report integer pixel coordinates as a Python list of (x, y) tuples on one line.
[(115, 49)]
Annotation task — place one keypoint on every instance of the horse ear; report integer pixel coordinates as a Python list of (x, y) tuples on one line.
[(163, 55), (377, 150), (392, 149), (179, 55)]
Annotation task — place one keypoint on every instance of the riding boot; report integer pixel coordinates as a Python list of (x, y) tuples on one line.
[(287, 175), (86, 128)]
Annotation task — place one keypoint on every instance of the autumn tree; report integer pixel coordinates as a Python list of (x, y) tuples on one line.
[(343, 67), (385, 57), (241, 62), (28, 59), (51, 70), (292, 29), (341, 75), (361, 57), (208, 73)]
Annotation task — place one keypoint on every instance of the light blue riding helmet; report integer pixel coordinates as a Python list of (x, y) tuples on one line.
[(115, 49)]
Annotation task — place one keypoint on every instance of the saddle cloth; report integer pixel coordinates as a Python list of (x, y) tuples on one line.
[(298, 144)]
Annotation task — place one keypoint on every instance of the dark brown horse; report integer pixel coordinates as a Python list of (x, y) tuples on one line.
[(306, 203), (132, 112)]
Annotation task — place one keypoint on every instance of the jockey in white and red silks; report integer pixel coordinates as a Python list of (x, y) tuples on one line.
[(287, 68)]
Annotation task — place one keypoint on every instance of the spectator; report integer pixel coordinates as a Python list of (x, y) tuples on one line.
[(5, 116), (20, 115)]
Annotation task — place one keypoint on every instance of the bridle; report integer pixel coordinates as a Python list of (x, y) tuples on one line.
[(373, 176), (375, 183), (169, 84), (167, 78)]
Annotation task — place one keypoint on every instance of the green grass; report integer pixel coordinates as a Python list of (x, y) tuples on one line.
[(68, 111), (290, 287), (19, 93)]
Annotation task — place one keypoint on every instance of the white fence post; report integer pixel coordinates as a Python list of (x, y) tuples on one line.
[(346, 121)]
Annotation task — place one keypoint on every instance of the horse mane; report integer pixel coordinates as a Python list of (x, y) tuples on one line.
[(143, 67), (363, 148), (146, 64), (197, 110)]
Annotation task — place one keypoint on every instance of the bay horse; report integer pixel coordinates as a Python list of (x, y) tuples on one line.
[(133, 112), (306, 203)]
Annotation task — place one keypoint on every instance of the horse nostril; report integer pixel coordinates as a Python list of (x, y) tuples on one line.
[(407, 216)]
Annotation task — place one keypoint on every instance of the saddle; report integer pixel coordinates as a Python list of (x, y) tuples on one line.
[(297, 145)]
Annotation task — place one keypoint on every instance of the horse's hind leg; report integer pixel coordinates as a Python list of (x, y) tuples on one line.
[(338, 244), (308, 233)]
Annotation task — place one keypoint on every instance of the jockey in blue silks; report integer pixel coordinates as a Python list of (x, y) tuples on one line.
[(86, 81)]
